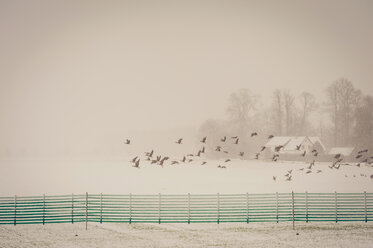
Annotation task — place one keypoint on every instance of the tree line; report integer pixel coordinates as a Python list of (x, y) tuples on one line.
[(343, 117)]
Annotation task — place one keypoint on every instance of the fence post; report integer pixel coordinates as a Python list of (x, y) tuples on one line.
[(43, 209), (306, 207), (86, 211), (130, 208), (188, 208), (101, 208), (72, 208), (292, 200), (159, 208), (276, 207), (336, 207), (15, 210), (247, 208), (365, 206), (218, 208)]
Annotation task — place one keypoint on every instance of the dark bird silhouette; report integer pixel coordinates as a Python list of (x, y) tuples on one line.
[(179, 141), (203, 150), (127, 142), (204, 162), (134, 160), (308, 172), (218, 148), (227, 160), (314, 150), (304, 153), (234, 137), (298, 147), (204, 139), (257, 155), (223, 167), (190, 160), (262, 149), (184, 159), (154, 161), (137, 164), (236, 141), (270, 136), (278, 148), (199, 154), (274, 178), (319, 171), (223, 139), (315, 154), (241, 154), (359, 156), (358, 164), (225, 151), (219, 166), (174, 162), (149, 154), (371, 176), (254, 134), (190, 155), (362, 151), (288, 179), (290, 171), (338, 156)]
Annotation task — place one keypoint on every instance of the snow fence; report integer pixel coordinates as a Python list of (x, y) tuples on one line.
[(188, 208)]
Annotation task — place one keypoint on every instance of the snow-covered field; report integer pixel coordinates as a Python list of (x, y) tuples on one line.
[(184, 235), (37, 177)]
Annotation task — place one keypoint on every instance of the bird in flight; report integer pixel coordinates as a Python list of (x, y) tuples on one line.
[(204, 139), (227, 160), (270, 136), (204, 162), (223, 139), (254, 134), (234, 137), (137, 164), (241, 154), (236, 141), (127, 142), (134, 160), (179, 141), (299, 146), (278, 148), (274, 178), (262, 149)]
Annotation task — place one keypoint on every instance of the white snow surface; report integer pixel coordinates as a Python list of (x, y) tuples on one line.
[(355, 235), (37, 177)]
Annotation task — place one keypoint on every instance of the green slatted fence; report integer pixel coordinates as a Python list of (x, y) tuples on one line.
[(189, 208)]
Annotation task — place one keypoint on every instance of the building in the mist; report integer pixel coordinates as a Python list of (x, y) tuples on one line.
[(346, 152), (295, 145)]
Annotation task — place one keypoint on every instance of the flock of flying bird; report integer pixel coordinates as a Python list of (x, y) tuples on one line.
[(361, 156)]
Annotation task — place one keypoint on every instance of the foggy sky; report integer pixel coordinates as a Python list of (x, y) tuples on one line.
[(85, 70)]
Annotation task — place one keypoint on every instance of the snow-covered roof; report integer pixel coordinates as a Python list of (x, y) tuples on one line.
[(294, 142), (317, 139), (345, 151), (278, 140)]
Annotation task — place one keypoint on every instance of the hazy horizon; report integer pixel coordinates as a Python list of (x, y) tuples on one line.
[(80, 72)]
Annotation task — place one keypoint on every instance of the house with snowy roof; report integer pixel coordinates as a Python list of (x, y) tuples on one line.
[(295, 144), (344, 151)]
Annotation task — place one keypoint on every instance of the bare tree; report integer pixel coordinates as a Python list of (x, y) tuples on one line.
[(288, 106), (363, 130), (343, 99), (277, 107), (308, 104)]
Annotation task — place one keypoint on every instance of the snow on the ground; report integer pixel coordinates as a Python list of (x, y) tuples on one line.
[(184, 235), (36, 177)]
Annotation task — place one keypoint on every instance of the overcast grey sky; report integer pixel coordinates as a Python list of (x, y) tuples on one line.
[(89, 68)]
